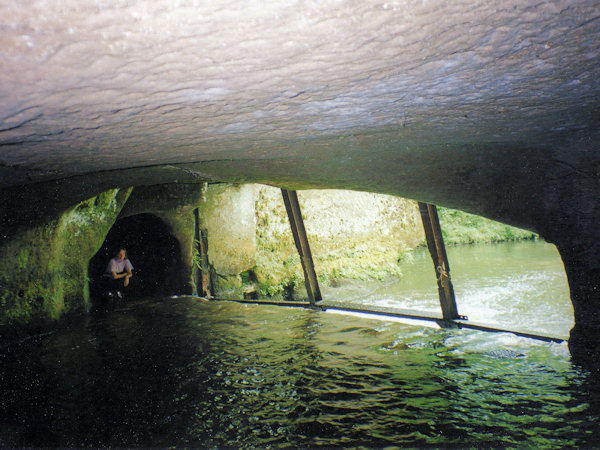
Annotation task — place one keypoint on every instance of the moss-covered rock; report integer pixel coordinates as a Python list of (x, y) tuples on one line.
[(353, 235), (174, 204), (43, 269)]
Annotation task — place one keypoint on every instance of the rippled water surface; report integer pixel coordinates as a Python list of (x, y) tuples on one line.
[(189, 373)]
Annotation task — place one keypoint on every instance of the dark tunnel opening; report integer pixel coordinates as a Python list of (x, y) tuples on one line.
[(153, 251)]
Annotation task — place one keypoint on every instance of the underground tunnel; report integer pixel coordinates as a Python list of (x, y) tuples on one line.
[(498, 117), (153, 250), (491, 108)]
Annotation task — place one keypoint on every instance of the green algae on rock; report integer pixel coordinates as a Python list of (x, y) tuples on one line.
[(250, 250), (43, 269)]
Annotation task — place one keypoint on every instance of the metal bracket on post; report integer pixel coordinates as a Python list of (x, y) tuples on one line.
[(437, 249), (290, 199)]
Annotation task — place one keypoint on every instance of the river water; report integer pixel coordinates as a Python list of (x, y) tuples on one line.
[(183, 372), (518, 286)]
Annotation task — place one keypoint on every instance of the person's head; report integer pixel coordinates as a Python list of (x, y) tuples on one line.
[(122, 254)]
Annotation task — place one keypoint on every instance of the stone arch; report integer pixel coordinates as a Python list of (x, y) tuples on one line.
[(154, 251)]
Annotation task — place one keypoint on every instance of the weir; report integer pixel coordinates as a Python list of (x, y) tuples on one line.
[(401, 314), (449, 318)]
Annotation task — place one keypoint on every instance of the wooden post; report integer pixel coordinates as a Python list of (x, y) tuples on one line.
[(290, 199), (437, 249), (203, 284)]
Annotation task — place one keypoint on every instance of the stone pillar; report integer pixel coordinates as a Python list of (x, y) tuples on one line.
[(581, 259), (227, 217), (571, 221)]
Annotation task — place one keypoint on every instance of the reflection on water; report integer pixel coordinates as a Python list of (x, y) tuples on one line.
[(187, 373)]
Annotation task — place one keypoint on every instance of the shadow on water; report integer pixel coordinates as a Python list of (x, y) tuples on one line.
[(184, 372)]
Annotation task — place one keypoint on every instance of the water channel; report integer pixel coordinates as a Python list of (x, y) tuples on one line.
[(183, 372), (517, 286)]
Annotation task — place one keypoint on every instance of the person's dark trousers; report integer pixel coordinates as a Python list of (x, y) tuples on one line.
[(114, 286)]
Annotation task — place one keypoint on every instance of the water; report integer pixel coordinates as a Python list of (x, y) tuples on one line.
[(181, 372), (518, 286)]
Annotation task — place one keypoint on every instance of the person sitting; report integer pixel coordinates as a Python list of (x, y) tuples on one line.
[(118, 273)]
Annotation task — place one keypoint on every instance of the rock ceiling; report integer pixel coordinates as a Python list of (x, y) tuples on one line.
[(451, 101)]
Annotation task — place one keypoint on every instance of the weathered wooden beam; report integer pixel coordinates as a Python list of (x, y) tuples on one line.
[(437, 250), (292, 206), (203, 282)]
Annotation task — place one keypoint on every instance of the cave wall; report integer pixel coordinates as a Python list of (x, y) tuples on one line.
[(43, 268), (45, 246), (44, 264), (174, 204)]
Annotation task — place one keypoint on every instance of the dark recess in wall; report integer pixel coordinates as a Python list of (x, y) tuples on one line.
[(154, 252)]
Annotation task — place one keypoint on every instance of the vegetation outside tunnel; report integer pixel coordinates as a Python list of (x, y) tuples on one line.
[(459, 227)]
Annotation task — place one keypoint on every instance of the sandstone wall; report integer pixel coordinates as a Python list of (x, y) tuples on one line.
[(353, 235), (43, 268)]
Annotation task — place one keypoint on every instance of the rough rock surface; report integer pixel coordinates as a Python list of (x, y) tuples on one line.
[(352, 235), (379, 96)]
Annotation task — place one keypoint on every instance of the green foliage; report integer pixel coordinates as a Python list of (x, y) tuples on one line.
[(196, 257), (271, 290), (459, 227)]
